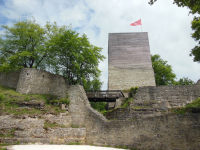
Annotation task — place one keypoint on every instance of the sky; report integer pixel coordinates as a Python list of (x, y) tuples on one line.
[(168, 26)]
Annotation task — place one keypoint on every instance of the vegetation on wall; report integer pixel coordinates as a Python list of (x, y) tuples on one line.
[(131, 92), (12, 102), (59, 50), (193, 107)]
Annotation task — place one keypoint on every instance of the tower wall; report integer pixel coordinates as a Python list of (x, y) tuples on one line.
[(129, 61)]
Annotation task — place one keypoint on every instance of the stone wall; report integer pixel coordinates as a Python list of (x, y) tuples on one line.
[(169, 131), (9, 79), (31, 130), (119, 79), (166, 97), (78, 102), (35, 81), (180, 132)]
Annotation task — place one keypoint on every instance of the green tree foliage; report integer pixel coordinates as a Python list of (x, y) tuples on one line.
[(100, 106), (76, 58), (194, 6), (185, 81), (162, 71), (22, 46), (196, 35), (59, 50)]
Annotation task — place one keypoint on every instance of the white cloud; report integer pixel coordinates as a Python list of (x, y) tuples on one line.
[(168, 26)]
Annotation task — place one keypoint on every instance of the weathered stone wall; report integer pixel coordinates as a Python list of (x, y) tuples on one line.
[(180, 132), (31, 130), (169, 131), (119, 79), (35, 81), (166, 97), (9, 79), (78, 102)]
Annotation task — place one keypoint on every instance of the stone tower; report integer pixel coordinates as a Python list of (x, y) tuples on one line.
[(129, 61)]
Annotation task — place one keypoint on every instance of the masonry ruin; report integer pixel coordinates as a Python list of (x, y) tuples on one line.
[(35, 81), (142, 125), (146, 128)]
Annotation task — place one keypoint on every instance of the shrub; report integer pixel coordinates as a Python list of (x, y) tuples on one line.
[(27, 99), (2, 97), (133, 91), (64, 101), (51, 99), (126, 103)]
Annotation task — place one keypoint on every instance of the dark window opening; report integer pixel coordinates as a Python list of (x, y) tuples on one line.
[(27, 73)]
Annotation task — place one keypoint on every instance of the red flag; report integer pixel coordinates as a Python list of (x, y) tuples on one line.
[(139, 22)]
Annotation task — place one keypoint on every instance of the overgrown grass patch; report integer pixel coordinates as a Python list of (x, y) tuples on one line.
[(74, 126), (48, 124), (193, 107), (10, 103), (126, 103), (74, 143), (9, 133), (140, 107)]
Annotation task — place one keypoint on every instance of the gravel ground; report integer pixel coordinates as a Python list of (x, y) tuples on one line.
[(59, 147)]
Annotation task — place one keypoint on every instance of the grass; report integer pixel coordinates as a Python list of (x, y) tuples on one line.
[(74, 143), (10, 133), (3, 145), (48, 124), (126, 103), (74, 126), (193, 107), (10, 103)]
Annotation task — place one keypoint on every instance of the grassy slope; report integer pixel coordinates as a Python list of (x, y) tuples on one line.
[(9, 100)]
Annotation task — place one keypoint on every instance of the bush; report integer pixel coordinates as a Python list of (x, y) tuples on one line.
[(2, 97), (99, 106), (61, 101), (133, 91), (64, 101), (126, 103)]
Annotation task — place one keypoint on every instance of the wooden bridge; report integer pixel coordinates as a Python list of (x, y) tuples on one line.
[(104, 96)]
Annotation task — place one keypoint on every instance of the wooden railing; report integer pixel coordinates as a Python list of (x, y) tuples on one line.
[(104, 96)]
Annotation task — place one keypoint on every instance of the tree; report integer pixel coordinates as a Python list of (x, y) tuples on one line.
[(162, 71), (196, 35), (59, 50), (194, 6), (185, 81), (76, 59), (22, 46)]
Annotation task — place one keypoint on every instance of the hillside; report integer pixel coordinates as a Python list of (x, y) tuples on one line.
[(17, 104)]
